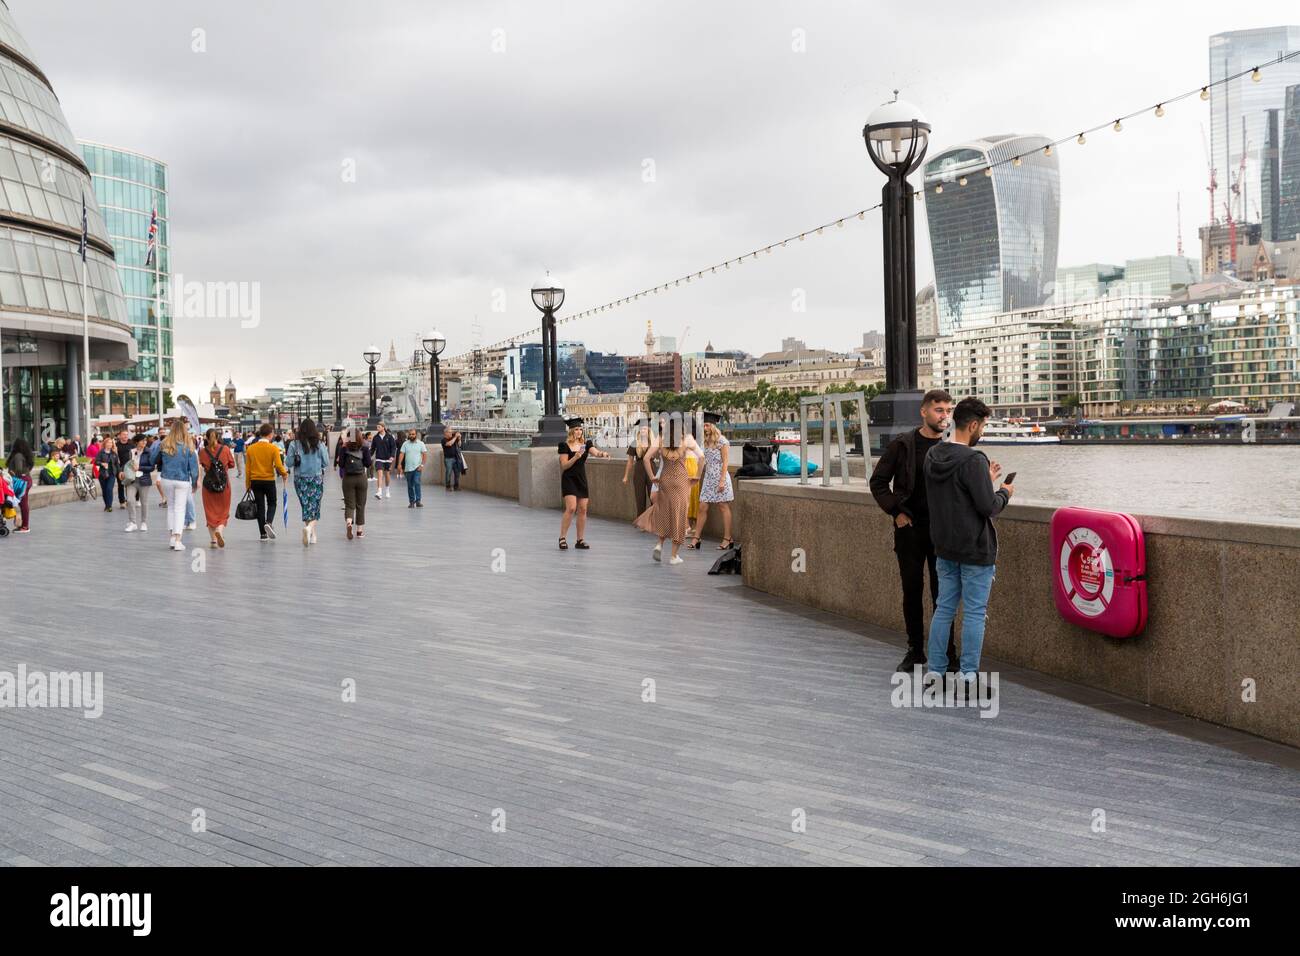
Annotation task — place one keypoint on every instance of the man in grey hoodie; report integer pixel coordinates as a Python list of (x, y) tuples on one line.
[(959, 488)]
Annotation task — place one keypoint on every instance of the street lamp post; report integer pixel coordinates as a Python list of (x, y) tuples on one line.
[(548, 296), (371, 355), (275, 416), (897, 136), (434, 343), (338, 371), (318, 383)]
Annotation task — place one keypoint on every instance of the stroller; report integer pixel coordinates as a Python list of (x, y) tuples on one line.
[(12, 489)]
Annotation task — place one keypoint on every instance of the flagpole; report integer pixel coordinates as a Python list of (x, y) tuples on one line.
[(157, 316), (85, 338)]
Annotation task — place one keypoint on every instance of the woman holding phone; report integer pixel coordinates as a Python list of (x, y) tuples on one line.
[(573, 481)]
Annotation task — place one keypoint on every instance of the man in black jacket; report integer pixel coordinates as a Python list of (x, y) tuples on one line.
[(959, 486), (906, 503)]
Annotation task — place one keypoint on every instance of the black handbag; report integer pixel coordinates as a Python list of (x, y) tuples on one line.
[(246, 510)]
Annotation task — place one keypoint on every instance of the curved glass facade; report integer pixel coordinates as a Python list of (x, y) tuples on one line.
[(42, 184), (129, 188), (994, 241)]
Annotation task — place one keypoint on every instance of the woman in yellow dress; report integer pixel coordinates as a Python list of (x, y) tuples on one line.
[(693, 510)]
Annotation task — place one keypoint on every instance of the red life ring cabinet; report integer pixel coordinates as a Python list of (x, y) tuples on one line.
[(1099, 578)]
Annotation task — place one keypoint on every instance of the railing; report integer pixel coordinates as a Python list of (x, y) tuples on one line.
[(826, 402)]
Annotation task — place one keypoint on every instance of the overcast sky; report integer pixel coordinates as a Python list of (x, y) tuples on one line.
[(494, 140)]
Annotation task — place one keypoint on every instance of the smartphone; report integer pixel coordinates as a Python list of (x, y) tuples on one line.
[(1009, 479)]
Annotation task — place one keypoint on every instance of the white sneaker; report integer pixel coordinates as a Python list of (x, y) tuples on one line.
[(270, 532), (658, 552), (676, 559), (388, 492), (313, 535), (379, 494), (191, 526), (143, 527), (306, 537), (130, 527)]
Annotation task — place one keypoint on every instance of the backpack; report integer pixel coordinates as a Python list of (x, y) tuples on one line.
[(214, 477), (353, 462), (128, 471)]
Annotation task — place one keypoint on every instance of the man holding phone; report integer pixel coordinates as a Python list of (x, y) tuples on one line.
[(898, 485)]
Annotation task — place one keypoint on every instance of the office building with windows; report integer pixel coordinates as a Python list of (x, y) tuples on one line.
[(1240, 117), (43, 180), (994, 237), (130, 187)]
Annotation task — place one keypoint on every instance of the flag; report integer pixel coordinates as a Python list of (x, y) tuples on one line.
[(85, 228), (153, 238)]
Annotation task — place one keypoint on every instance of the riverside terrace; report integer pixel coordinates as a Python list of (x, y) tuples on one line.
[(501, 716)]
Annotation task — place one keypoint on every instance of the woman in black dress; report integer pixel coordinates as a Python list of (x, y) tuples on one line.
[(573, 481), (635, 470)]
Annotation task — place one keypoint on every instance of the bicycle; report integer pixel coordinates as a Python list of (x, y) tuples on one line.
[(86, 486)]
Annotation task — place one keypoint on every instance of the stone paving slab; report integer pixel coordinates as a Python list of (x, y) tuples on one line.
[(499, 680)]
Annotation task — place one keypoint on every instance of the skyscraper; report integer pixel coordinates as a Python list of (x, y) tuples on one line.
[(993, 238), (130, 188), (1288, 214), (1239, 114)]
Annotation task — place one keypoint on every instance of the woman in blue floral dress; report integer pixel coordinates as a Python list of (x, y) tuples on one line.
[(715, 486)]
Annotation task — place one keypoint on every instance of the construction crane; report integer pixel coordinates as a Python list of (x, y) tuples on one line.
[(1179, 207), (681, 339), (1214, 183), (1239, 195)]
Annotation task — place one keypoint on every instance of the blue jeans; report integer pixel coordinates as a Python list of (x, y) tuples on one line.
[(968, 585), (451, 472), (414, 492)]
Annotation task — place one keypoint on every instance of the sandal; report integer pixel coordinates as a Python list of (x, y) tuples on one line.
[(693, 547), (726, 543), (564, 544), (581, 545)]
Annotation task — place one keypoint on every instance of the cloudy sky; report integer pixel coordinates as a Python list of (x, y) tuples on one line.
[(616, 144)]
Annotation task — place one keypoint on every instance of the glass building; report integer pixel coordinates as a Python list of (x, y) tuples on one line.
[(43, 180), (129, 187), (1288, 211), (993, 238), (1239, 111)]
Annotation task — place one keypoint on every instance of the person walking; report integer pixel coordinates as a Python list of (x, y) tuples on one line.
[(240, 445), (179, 467), (666, 516), (715, 485), (451, 460), (573, 481), (264, 462), (133, 479), (383, 449), (20, 462), (354, 458), (308, 460), (899, 487), (635, 470), (107, 466), (92, 450), (413, 454), (962, 503), (124, 447), (217, 461)]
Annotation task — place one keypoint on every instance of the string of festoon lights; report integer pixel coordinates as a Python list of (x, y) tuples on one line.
[(1156, 110)]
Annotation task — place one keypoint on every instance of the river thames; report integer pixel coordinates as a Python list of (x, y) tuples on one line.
[(1255, 482)]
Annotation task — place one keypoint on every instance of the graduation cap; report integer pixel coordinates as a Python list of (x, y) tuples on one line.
[(573, 422), (712, 418)]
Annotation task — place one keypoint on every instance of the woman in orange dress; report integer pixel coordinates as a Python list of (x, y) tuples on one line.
[(216, 504)]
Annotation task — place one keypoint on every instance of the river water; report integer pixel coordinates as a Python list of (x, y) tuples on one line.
[(1255, 482)]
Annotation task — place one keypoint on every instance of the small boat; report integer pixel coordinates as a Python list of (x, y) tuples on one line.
[(786, 436), (1002, 432)]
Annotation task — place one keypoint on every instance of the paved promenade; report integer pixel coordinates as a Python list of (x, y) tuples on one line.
[(515, 698)]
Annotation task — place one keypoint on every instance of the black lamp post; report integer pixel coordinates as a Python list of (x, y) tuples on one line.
[(434, 343), (275, 416), (318, 383), (371, 355), (548, 296), (897, 135), (338, 371)]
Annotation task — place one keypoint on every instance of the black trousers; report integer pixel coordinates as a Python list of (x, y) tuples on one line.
[(264, 495), (915, 552)]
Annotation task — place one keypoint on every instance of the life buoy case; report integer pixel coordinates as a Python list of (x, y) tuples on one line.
[(1099, 578)]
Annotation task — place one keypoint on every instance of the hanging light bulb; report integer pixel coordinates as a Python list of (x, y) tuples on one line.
[(1118, 127), (840, 224), (801, 236), (1160, 109), (1205, 92), (1047, 150), (819, 230), (962, 181), (1256, 75), (1081, 140), (988, 171), (860, 216), (938, 189), (1016, 161)]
